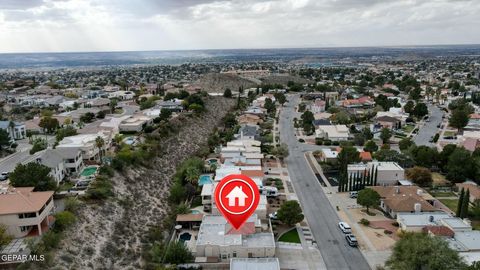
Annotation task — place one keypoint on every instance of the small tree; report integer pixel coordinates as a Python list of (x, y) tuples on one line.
[(63, 220), (99, 143), (405, 143), (4, 139), (370, 146), (385, 135), (4, 237), (178, 253), (32, 175), (281, 151), (410, 253), (460, 202), (227, 93), (113, 105), (290, 213), (420, 176), (465, 204), (368, 198), (459, 119)]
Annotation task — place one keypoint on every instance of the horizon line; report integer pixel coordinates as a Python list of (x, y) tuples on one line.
[(245, 49)]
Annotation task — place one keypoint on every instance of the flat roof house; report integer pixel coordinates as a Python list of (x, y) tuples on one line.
[(333, 132), (86, 144), (388, 173), (24, 211), (255, 264)]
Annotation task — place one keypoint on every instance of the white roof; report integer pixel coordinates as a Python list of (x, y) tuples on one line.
[(470, 239), (328, 153), (213, 228), (421, 219), (207, 190), (254, 264)]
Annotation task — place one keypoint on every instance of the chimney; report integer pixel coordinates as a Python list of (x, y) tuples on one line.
[(397, 190), (419, 192), (417, 207)]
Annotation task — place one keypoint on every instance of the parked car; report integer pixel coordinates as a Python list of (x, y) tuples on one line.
[(351, 240), (344, 227), (3, 176), (353, 194), (273, 215)]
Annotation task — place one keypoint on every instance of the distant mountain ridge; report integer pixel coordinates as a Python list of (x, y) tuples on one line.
[(95, 59)]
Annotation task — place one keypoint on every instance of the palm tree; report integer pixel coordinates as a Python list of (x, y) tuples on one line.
[(99, 142), (11, 129), (192, 174)]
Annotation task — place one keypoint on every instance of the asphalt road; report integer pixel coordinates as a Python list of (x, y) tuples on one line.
[(320, 214), (428, 130)]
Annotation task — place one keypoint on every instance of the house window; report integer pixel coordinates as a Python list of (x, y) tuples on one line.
[(27, 215), (224, 256), (250, 255), (23, 228), (234, 254)]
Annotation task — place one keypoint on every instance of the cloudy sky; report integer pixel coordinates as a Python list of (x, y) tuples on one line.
[(117, 25)]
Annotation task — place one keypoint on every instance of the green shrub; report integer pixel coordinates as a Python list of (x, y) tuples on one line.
[(365, 222), (100, 189), (63, 220)]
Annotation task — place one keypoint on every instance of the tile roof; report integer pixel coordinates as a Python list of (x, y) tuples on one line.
[(474, 189), (405, 199), (438, 230), (23, 200)]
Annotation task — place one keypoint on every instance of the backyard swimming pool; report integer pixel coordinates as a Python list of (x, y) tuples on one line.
[(205, 179), (185, 237), (89, 171)]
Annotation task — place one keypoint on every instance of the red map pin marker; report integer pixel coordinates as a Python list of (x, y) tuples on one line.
[(237, 197)]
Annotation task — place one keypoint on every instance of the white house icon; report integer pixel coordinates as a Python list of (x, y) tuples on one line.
[(236, 193)]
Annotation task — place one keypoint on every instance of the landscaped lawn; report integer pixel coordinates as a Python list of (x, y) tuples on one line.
[(290, 237), (439, 180), (65, 186), (452, 204), (408, 128), (449, 133), (441, 194)]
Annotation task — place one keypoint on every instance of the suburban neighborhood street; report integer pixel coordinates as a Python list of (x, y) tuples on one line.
[(319, 213), (428, 130)]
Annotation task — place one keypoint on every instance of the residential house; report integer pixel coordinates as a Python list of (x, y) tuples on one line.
[(388, 122), (471, 144), (254, 264), (135, 123), (172, 105), (387, 173), (15, 130), (97, 103), (333, 132), (249, 119), (362, 102), (248, 132), (121, 95), (25, 212), (52, 160), (87, 144), (405, 199), (218, 240), (473, 123), (72, 159), (318, 106), (328, 155), (473, 188)]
